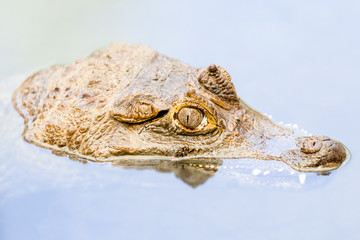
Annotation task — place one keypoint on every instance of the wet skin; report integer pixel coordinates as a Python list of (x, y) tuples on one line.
[(128, 101)]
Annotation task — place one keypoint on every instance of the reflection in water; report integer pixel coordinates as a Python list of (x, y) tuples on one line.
[(194, 172)]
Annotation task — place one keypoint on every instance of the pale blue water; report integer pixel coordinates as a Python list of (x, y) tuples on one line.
[(296, 60)]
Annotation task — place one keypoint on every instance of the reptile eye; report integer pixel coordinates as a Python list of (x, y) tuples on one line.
[(190, 117)]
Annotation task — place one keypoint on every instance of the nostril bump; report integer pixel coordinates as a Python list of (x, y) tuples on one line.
[(311, 145)]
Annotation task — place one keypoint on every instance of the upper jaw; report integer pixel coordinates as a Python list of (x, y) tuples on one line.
[(255, 136), (304, 154), (269, 141)]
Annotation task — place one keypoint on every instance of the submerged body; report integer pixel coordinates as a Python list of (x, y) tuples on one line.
[(128, 101)]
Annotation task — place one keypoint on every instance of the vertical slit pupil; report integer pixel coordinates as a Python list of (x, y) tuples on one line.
[(190, 117)]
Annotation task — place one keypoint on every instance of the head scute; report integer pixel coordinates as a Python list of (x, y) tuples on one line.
[(216, 80)]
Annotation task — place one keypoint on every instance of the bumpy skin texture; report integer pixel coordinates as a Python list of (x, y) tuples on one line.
[(123, 102)]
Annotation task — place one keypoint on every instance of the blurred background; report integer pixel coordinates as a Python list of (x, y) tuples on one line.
[(296, 60)]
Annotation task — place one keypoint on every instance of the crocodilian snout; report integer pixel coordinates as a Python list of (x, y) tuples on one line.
[(315, 153)]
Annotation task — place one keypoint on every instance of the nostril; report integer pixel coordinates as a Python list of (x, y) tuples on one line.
[(311, 145)]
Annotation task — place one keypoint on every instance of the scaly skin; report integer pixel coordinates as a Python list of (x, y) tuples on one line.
[(128, 100)]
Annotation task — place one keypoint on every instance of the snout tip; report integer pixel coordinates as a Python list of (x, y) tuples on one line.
[(316, 154)]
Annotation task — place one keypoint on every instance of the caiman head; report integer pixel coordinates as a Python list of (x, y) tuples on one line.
[(127, 101), (212, 121)]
